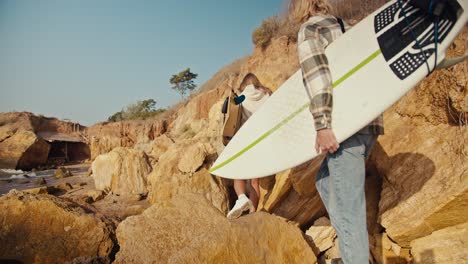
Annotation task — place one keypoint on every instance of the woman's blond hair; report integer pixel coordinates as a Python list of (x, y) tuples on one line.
[(250, 78), (301, 10)]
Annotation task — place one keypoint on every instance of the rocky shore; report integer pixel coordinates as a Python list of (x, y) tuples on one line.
[(150, 198)]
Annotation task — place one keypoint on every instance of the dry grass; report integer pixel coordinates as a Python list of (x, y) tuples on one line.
[(356, 9), (274, 27), (278, 26), (228, 72), (269, 28)]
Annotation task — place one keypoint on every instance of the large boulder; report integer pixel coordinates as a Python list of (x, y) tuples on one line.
[(23, 150), (424, 189), (122, 171), (294, 195), (46, 229), (157, 147), (189, 229), (192, 158), (180, 171), (422, 156), (448, 245)]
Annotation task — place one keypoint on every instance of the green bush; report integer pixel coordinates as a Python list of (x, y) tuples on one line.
[(183, 82), (139, 110)]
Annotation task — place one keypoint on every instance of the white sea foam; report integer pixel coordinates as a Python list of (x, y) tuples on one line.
[(18, 176), (32, 174), (11, 171)]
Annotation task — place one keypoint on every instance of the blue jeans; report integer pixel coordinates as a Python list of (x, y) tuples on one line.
[(340, 183)]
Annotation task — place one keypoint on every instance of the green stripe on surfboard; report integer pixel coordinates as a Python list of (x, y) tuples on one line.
[(295, 113), (357, 68)]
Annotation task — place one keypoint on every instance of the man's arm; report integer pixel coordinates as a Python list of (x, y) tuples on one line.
[(317, 79)]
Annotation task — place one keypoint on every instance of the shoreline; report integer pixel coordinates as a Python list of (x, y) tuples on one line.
[(24, 180)]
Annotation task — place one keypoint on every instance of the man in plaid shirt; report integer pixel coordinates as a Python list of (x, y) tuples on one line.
[(340, 180)]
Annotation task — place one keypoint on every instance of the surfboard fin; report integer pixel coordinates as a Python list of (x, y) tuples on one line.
[(447, 63)]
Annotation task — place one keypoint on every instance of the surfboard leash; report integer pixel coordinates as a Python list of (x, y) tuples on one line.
[(436, 40), (434, 10), (413, 35)]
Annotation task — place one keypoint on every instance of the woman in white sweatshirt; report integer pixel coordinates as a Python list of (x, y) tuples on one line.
[(255, 95)]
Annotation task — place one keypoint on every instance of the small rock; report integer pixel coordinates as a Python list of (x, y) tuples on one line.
[(78, 185), (87, 199), (96, 195), (334, 261), (62, 172), (322, 234), (91, 260), (64, 186), (133, 210), (137, 197), (90, 171), (39, 190), (333, 252), (41, 181)]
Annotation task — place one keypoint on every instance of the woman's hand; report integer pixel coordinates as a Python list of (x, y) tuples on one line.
[(326, 141)]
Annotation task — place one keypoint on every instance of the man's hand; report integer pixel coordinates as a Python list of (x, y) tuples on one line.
[(326, 141)]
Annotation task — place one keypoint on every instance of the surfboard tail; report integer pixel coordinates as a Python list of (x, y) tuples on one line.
[(447, 63)]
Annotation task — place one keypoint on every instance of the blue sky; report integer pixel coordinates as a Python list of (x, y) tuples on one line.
[(85, 60)]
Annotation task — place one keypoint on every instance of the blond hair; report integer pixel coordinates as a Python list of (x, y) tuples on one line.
[(301, 10), (250, 78)]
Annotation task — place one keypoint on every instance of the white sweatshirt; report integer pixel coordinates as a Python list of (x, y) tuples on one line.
[(253, 100)]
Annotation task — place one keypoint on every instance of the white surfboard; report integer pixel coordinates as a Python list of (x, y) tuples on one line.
[(372, 65)]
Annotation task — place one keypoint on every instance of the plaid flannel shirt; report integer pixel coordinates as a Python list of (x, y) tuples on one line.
[(314, 36)]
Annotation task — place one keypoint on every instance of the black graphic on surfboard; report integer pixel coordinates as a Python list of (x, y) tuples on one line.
[(417, 24)]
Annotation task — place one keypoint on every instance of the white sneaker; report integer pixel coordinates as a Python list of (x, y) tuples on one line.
[(242, 204)]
